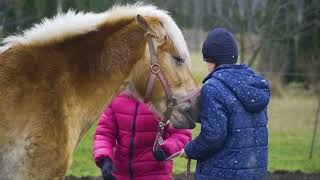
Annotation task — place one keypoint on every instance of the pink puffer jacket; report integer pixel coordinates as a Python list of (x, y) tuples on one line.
[(130, 126)]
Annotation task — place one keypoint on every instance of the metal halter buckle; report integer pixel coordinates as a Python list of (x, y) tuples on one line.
[(160, 140), (161, 125), (155, 68), (171, 102)]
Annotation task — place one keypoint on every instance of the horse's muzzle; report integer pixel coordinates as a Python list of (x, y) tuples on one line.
[(185, 115)]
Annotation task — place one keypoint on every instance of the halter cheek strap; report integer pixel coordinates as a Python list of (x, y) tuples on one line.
[(155, 71)]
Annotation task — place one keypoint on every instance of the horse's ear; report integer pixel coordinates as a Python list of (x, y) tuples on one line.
[(143, 23), (145, 26)]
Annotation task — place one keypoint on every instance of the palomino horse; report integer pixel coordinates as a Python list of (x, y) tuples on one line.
[(57, 77)]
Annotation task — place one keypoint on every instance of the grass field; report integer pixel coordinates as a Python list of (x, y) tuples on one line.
[(291, 120)]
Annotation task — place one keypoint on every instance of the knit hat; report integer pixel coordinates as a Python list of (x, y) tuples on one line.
[(220, 47)]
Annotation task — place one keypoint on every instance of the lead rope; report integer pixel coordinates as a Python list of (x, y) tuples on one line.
[(158, 141), (188, 172)]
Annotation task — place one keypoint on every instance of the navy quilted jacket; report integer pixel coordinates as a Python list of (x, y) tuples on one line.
[(233, 143)]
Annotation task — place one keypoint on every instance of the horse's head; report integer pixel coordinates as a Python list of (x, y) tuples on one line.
[(172, 55)]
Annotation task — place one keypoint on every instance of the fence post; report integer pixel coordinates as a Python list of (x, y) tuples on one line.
[(315, 129)]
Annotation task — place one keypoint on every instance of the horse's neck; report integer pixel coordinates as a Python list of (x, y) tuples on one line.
[(99, 64)]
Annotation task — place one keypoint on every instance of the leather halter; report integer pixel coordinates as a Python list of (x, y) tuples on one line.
[(155, 72)]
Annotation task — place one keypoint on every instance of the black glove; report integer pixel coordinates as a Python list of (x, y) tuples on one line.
[(159, 154), (106, 169)]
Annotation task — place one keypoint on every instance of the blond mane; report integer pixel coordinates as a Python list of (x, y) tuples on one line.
[(71, 24)]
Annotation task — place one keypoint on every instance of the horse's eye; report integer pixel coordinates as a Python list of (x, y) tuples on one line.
[(179, 60)]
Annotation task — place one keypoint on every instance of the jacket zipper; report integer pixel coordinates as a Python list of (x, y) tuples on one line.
[(132, 141)]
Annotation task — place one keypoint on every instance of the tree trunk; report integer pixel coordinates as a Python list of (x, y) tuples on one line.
[(59, 6), (242, 46)]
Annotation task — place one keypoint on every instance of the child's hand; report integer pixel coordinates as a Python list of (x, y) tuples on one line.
[(159, 154), (106, 169), (183, 154)]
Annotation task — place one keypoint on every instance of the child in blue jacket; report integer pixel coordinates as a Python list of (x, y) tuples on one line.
[(233, 142)]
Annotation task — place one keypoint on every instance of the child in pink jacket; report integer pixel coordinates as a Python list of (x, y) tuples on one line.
[(124, 139)]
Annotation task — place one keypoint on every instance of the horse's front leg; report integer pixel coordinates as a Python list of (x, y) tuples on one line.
[(37, 153)]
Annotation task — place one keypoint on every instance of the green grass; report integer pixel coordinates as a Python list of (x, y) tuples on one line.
[(291, 121), (290, 126), (83, 164)]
